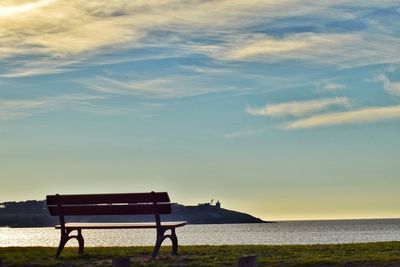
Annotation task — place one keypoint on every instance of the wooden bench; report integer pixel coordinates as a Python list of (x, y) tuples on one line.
[(155, 203)]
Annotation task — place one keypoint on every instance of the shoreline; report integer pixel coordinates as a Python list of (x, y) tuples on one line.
[(238, 223)]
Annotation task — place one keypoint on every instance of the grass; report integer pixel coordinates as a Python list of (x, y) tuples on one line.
[(366, 254)]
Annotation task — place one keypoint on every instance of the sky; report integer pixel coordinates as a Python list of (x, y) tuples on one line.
[(283, 109)]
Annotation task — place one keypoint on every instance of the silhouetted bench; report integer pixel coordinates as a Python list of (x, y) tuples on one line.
[(113, 204)]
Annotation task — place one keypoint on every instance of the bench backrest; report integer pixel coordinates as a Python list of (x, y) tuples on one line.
[(109, 204)]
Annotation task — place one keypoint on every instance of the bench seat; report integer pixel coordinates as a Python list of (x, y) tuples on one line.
[(144, 225)]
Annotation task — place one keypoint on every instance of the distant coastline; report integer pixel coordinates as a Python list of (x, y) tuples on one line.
[(34, 213)]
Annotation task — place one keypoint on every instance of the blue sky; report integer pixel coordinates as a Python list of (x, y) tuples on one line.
[(286, 110)]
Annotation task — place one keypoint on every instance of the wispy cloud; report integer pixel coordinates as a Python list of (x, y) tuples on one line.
[(298, 108), (54, 64), (341, 49), (58, 27), (14, 109), (44, 66), (243, 133), (61, 28), (391, 87), (262, 47), (164, 87), (75, 28), (12, 10), (330, 86), (365, 115)]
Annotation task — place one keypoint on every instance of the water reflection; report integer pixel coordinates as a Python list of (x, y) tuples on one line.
[(299, 232)]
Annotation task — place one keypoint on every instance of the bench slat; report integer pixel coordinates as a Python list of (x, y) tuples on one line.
[(121, 225), (69, 210), (107, 198)]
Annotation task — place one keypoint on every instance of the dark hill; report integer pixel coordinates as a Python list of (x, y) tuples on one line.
[(211, 214)]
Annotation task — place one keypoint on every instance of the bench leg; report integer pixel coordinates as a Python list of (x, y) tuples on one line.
[(81, 241), (159, 240), (174, 240), (63, 241), (161, 236), (65, 237)]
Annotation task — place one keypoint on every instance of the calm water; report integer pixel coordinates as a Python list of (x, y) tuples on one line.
[(293, 232)]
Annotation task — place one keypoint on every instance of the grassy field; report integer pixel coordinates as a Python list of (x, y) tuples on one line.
[(368, 254)]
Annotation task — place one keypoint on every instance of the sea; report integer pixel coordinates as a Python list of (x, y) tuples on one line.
[(279, 233)]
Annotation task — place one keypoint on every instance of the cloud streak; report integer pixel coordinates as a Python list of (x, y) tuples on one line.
[(365, 115), (162, 87), (340, 49), (15, 109), (262, 47), (243, 133), (330, 87), (298, 108)]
